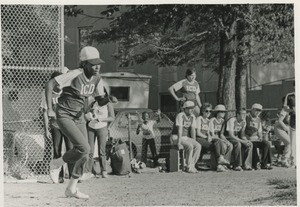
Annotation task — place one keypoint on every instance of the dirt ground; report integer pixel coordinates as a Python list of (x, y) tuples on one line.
[(152, 188)]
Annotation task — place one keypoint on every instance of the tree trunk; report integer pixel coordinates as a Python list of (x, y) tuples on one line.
[(227, 77), (241, 91)]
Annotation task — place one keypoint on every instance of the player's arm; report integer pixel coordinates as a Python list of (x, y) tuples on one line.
[(50, 85), (172, 89)]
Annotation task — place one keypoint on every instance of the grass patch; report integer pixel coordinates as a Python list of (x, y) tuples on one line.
[(288, 190)]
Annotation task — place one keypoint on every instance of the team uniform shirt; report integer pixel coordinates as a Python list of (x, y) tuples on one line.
[(189, 89), (147, 128), (76, 88), (235, 126), (215, 125), (253, 127), (203, 124), (290, 102), (284, 114), (100, 112), (54, 105), (186, 122)]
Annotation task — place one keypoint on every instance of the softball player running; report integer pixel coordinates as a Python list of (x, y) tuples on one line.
[(77, 85)]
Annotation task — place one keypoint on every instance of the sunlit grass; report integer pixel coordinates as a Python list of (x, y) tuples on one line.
[(288, 190)]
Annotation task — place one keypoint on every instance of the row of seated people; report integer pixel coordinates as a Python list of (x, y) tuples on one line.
[(233, 143)]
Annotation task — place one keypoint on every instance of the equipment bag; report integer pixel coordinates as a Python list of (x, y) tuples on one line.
[(120, 160)]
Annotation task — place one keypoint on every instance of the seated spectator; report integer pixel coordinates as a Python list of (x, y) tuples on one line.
[(234, 131), (254, 133), (205, 139), (184, 135), (225, 148)]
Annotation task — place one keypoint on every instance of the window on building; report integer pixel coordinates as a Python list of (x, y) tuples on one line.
[(84, 36), (121, 93)]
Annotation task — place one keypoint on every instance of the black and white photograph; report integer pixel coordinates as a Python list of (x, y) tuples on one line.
[(149, 104)]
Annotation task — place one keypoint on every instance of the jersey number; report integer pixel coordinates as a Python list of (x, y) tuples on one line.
[(87, 89)]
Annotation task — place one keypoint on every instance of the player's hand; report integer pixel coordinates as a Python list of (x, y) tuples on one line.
[(183, 99), (209, 138), (48, 134), (51, 114), (158, 112), (113, 99)]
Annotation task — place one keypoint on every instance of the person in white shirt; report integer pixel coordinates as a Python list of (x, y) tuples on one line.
[(99, 117), (184, 136), (148, 136)]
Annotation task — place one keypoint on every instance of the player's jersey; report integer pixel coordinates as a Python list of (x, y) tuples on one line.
[(233, 125), (185, 122), (253, 125), (215, 125), (203, 124), (76, 88), (189, 89), (148, 131)]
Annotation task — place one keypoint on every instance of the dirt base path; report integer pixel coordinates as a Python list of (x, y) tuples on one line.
[(205, 188)]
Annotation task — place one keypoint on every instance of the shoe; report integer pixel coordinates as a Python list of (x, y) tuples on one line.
[(104, 174), (86, 176), (267, 167), (222, 161), (61, 180), (76, 194), (248, 169), (191, 170), (238, 168), (285, 164), (225, 167), (54, 171), (220, 168)]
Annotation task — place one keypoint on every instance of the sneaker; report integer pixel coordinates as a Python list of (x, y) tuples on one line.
[(238, 168), (248, 169), (220, 168), (86, 176), (76, 194), (191, 170), (267, 167), (285, 164), (61, 180), (104, 174), (222, 160), (54, 171)]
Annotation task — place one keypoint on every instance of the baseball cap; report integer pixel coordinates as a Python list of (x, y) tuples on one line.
[(220, 107), (188, 104), (90, 54), (257, 106)]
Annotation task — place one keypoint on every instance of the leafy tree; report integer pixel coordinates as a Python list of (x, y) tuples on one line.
[(224, 38)]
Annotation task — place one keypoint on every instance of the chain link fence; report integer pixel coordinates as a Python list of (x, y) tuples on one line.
[(32, 48)]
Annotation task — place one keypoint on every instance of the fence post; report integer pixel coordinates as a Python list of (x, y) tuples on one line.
[(129, 136)]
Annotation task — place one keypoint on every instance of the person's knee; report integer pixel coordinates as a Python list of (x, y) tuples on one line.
[(84, 150), (230, 146), (188, 146), (198, 146)]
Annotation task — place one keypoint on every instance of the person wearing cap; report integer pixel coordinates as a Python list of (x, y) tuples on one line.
[(254, 133), (225, 148), (190, 90), (184, 135), (205, 139), (234, 131), (77, 85)]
